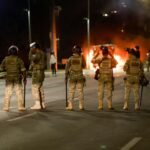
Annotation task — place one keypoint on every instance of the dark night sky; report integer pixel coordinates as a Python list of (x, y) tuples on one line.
[(71, 28)]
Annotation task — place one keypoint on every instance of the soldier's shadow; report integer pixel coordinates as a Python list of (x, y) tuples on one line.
[(145, 110)]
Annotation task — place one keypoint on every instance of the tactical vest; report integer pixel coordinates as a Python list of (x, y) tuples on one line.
[(75, 71), (13, 69), (134, 67), (76, 64), (106, 66)]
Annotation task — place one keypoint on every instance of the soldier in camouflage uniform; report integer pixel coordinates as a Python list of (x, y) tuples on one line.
[(134, 70), (74, 71), (37, 66), (148, 61), (106, 64), (15, 70)]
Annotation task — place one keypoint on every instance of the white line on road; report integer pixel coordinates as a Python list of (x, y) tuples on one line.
[(131, 143), (21, 117)]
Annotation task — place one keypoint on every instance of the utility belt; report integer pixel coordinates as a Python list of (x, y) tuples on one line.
[(76, 76), (37, 69), (13, 78), (132, 79)]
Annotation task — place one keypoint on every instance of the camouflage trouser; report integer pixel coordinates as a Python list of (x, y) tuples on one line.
[(9, 91), (128, 87), (72, 86), (38, 92), (101, 88), (105, 82)]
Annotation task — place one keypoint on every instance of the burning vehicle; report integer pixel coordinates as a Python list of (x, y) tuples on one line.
[(119, 55)]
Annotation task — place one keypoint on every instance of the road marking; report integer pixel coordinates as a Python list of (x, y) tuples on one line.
[(21, 117), (131, 143)]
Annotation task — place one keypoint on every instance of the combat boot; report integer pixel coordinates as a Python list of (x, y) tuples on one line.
[(43, 105), (81, 105), (100, 105), (6, 109), (125, 107), (36, 106), (20, 105), (110, 105), (6, 105), (69, 107), (136, 107), (21, 108)]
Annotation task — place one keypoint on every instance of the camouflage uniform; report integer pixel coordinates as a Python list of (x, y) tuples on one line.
[(74, 70), (37, 67), (134, 69), (14, 68), (105, 79)]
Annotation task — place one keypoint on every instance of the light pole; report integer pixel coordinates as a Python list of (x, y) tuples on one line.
[(88, 32), (29, 26), (53, 35), (29, 22)]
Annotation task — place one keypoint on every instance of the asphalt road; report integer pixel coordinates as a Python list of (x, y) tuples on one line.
[(58, 129)]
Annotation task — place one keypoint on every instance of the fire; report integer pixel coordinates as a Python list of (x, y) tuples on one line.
[(89, 59), (118, 58), (120, 64)]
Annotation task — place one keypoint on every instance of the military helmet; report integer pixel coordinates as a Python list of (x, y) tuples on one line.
[(133, 52), (13, 50), (34, 45), (137, 47), (104, 50), (76, 49)]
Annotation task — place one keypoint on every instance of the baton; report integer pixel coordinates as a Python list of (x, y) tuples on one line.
[(141, 96), (40, 94), (24, 96), (66, 93)]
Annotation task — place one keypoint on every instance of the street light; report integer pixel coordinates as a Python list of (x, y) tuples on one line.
[(29, 22), (29, 26), (88, 33)]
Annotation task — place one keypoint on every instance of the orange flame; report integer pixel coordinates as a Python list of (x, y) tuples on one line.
[(118, 58)]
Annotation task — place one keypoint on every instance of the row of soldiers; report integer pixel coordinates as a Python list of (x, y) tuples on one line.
[(16, 73), (134, 73)]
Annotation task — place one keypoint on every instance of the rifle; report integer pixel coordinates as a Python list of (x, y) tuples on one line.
[(140, 103), (40, 94), (24, 91), (24, 88)]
